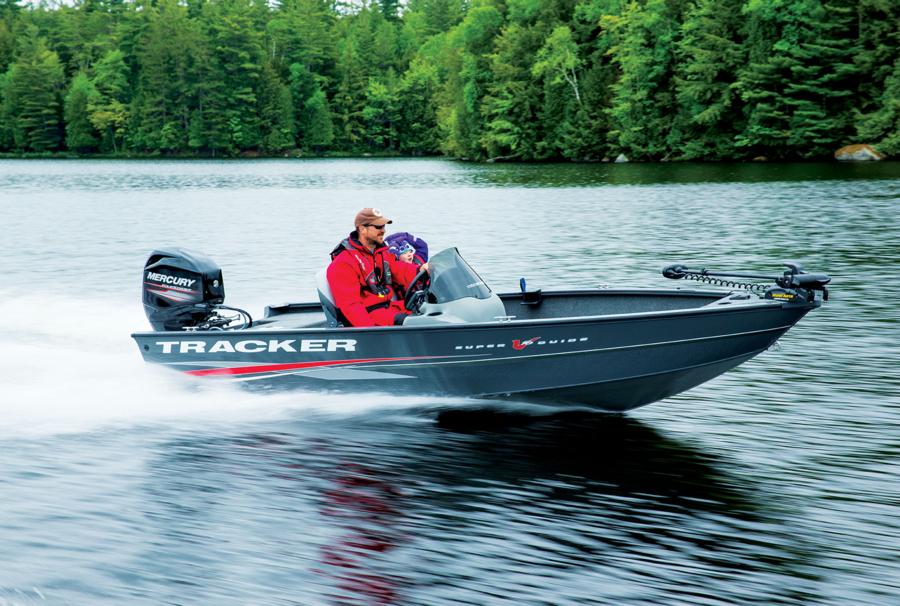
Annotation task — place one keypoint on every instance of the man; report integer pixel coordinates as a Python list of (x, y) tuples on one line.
[(363, 273)]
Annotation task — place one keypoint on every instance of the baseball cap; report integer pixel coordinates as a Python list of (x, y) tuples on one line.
[(369, 216)]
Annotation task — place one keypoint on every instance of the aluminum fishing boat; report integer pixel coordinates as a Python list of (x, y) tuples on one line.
[(607, 349)]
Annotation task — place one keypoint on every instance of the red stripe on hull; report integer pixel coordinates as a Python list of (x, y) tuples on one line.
[(245, 370)]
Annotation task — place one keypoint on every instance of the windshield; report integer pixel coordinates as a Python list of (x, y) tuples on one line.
[(452, 278)]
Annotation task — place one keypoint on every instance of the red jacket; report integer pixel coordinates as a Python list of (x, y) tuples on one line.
[(362, 282)]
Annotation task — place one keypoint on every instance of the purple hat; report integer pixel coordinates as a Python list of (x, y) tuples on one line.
[(396, 242), (400, 246)]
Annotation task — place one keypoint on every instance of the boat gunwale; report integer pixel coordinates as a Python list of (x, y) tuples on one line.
[(742, 306)]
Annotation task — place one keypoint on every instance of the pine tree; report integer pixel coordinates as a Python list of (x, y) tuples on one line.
[(390, 9), (109, 106), (512, 96), (173, 79), (303, 32), (800, 81), (562, 112), (645, 51), (7, 40), (386, 54), (431, 17), (760, 84), (230, 105), (822, 85), (882, 126), (468, 65), (80, 133), (582, 134), (879, 42), (79, 34), (276, 112), (319, 132), (33, 94), (7, 141), (417, 116), (380, 116), (349, 96), (709, 55)]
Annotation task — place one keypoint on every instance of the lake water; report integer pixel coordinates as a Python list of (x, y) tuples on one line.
[(777, 483)]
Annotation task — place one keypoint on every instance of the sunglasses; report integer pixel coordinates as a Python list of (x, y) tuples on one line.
[(378, 227)]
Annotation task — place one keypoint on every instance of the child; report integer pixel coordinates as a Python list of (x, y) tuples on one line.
[(406, 252), (407, 247)]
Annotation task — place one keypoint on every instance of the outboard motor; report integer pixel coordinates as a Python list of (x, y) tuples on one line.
[(182, 290)]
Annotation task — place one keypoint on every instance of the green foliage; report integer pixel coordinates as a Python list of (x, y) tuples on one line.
[(523, 11), (799, 94), (645, 41), (882, 126), (877, 49), (823, 77), (276, 112), (417, 118), (7, 118), (709, 55), (480, 79), (235, 58), (303, 32), (513, 95), (431, 17), (468, 68), (380, 116), (319, 132), (558, 60), (108, 107), (173, 81), (7, 42), (32, 104), (80, 133)]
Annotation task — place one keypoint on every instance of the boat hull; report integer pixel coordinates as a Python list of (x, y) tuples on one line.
[(610, 363)]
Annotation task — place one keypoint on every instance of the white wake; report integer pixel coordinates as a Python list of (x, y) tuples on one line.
[(73, 367)]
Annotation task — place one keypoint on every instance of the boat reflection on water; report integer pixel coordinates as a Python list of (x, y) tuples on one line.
[(382, 508), (399, 509), (368, 510), (588, 455)]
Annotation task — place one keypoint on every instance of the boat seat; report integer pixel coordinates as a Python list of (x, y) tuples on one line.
[(333, 316)]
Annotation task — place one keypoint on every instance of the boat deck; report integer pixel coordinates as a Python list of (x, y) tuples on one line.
[(555, 304)]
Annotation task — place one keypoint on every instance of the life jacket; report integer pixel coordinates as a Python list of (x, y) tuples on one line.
[(377, 281)]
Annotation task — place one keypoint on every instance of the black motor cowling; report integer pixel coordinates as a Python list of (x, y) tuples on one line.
[(181, 288)]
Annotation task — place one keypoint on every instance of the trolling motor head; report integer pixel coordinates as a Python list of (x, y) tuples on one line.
[(797, 285), (795, 277)]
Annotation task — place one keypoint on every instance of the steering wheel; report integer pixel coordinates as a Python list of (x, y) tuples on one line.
[(417, 292)]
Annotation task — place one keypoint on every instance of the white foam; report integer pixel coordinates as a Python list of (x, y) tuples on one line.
[(73, 367)]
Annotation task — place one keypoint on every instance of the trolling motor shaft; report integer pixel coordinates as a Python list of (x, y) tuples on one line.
[(793, 284)]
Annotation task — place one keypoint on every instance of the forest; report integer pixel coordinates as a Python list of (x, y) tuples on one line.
[(486, 80)]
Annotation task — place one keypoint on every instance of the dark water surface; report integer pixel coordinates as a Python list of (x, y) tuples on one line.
[(777, 483)]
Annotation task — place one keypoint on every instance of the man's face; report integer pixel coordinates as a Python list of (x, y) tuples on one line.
[(372, 233)]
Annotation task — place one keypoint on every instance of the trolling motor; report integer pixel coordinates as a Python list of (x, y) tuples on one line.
[(794, 284), (184, 290)]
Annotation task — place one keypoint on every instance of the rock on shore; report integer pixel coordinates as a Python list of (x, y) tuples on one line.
[(858, 153)]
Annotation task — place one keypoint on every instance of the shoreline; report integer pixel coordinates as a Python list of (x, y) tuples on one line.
[(392, 156)]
